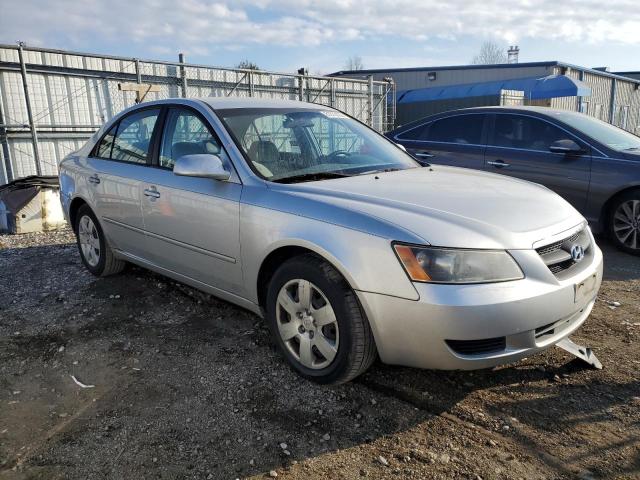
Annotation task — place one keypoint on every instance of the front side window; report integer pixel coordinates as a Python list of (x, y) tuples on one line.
[(185, 134), (296, 144), (460, 129), (527, 133), (132, 141)]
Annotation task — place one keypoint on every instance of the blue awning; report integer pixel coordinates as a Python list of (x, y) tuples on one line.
[(534, 88)]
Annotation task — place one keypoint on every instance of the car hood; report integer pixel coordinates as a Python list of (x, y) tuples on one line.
[(448, 206)]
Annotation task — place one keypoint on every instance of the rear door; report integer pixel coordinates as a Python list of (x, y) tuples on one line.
[(192, 224), (120, 162), (457, 140), (518, 146)]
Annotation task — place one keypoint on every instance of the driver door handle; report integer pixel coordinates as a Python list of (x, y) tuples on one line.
[(498, 163)]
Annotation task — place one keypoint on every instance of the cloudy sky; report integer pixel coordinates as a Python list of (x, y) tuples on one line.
[(321, 34)]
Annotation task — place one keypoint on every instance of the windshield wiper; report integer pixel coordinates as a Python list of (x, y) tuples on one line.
[(631, 149), (309, 177)]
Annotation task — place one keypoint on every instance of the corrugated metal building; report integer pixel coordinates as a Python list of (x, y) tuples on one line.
[(422, 91)]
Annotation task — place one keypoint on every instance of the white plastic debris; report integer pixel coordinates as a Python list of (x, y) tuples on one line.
[(80, 384)]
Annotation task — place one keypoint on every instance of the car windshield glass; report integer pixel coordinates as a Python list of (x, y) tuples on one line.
[(613, 137), (305, 145)]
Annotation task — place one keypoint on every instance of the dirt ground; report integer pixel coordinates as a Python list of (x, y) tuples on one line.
[(186, 386)]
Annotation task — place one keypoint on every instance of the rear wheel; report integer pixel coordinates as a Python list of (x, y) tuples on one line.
[(624, 222), (95, 251), (316, 321)]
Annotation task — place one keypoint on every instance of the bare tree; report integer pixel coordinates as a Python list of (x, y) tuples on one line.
[(490, 53), (247, 65), (354, 63)]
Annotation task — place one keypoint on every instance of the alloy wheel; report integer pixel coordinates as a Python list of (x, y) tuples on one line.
[(89, 240), (307, 324), (626, 223)]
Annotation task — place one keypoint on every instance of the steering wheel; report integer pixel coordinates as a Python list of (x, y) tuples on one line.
[(337, 153)]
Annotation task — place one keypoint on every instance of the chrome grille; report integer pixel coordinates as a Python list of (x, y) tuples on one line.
[(557, 256), (558, 245)]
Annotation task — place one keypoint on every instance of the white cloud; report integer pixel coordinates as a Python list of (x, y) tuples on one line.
[(203, 25)]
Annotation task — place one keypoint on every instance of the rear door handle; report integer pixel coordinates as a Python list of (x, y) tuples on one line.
[(152, 192), (498, 163), (94, 179)]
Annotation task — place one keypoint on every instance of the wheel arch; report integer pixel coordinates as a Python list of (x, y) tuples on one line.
[(605, 212), (288, 249), (74, 206)]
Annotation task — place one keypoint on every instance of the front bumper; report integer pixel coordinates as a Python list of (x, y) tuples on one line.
[(527, 315)]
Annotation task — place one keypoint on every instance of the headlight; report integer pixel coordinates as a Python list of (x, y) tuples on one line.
[(448, 265)]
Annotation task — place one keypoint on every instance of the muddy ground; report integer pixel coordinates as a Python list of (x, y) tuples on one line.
[(186, 386)]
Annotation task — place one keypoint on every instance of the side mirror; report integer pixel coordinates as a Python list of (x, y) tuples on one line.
[(568, 147), (205, 165)]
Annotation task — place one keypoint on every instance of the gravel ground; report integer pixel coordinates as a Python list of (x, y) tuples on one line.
[(186, 386)]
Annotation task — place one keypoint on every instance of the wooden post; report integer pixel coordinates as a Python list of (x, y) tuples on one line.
[(141, 89)]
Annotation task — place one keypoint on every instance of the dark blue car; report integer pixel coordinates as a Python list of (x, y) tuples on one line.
[(592, 164)]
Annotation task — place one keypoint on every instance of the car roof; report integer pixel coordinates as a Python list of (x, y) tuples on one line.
[(220, 103), (544, 111)]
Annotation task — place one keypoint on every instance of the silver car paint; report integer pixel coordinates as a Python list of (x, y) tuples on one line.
[(215, 236)]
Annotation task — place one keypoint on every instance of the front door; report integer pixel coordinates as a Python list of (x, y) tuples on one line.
[(518, 146), (192, 224), (120, 162)]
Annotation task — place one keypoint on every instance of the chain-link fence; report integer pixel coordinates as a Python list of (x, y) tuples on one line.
[(51, 101)]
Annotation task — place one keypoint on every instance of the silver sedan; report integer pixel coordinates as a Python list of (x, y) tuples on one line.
[(347, 247)]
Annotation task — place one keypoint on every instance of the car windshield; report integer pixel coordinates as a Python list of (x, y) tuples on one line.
[(295, 145), (613, 137)]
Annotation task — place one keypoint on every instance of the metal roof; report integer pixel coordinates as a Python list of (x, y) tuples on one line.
[(551, 63)]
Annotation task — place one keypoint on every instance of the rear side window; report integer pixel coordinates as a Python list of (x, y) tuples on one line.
[(130, 139), (106, 144), (133, 138), (460, 129), (528, 133), (416, 133)]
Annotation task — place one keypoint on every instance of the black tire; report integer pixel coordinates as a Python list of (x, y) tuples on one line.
[(356, 349), (107, 263), (614, 223)]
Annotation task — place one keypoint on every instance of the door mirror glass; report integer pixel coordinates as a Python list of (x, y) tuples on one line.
[(205, 165), (566, 146)]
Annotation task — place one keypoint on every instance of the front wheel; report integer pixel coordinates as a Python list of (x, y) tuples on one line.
[(316, 321), (624, 222)]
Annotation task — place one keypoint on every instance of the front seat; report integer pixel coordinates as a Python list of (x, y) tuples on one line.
[(266, 153)]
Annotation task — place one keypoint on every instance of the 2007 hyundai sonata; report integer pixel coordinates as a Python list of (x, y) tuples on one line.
[(334, 234)]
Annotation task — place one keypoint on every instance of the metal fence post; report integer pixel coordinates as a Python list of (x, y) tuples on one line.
[(138, 73), (183, 75), (370, 92), (4, 145), (32, 125), (333, 93)]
